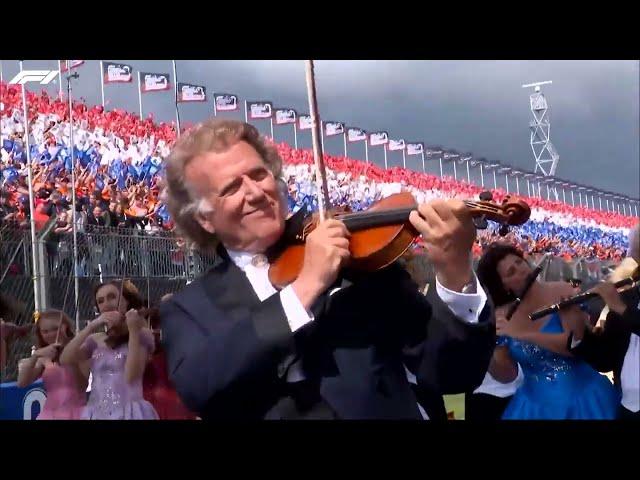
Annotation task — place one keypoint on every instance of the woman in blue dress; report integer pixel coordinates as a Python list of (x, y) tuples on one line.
[(557, 386)]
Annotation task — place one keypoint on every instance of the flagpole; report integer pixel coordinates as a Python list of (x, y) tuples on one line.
[(139, 96), (246, 115), (271, 122), (366, 150), (295, 133), (102, 82), (59, 78), (344, 138), (404, 158), (424, 170), (175, 91), (215, 110), (322, 135), (32, 221), (385, 155), (73, 198)]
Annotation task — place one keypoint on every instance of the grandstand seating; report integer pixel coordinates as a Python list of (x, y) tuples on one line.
[(120, 163)]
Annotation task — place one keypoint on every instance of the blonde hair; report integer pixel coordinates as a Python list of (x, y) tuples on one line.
[(213, 135)]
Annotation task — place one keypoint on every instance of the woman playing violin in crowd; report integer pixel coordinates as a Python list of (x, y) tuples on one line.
[(116, 358), (65, 384), (8, 329)]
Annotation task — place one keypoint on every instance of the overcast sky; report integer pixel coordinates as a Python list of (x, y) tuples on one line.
[(471, 106)]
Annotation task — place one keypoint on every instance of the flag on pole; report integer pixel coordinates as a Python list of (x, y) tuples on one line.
[(117, 72), (225, 102), (285, 116), (305, 122), (258, 110), (415, 148), (395, 145), (434, 152), (378, 138), (356, 134), (191, 93), (72, 64), (154, 82), (333, 128)]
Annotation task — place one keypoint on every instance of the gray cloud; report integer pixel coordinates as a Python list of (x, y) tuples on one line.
[(476, 106)]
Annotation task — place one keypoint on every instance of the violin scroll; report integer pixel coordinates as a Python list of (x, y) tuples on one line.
[(511, 212), (517, 211)]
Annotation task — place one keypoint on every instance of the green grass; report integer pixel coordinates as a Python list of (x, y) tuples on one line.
[(455, 404)]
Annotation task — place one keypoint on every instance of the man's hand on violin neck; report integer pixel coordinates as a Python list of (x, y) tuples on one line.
[(448, 232), (326, 252)]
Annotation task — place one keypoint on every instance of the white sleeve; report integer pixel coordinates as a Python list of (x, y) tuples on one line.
[(467, 306), (297, 315)]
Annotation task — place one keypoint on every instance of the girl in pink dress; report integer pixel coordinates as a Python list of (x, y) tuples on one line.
[(117, 358), (65, 384)]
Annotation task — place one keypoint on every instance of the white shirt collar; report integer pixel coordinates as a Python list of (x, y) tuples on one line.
[(244, 259)]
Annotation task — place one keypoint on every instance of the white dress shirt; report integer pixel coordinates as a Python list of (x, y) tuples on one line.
[(630, 376), (467, 306), (491, 386)]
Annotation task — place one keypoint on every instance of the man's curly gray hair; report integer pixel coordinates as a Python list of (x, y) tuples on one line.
[(213, 135)]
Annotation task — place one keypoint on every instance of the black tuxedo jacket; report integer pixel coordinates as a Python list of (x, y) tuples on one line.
[(225, 349)]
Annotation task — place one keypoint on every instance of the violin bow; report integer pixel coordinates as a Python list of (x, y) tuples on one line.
[(124, 277), (318, 154), (64, 305)]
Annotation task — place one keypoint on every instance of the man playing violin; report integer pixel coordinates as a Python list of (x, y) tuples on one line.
[(321, 347)]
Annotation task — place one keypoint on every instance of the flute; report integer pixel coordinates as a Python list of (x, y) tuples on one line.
[(631, 281), (532, 278)]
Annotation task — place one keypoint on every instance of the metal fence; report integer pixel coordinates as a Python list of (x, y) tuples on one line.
[(155, 263), (554, 268)]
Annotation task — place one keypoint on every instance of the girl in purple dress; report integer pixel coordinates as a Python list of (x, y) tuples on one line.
[(64, 384), (117, 357)]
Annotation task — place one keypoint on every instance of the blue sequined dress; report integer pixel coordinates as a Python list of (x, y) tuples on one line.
[(556, 387)]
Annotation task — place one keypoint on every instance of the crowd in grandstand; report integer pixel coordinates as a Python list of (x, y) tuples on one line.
[(118, 174), (117, 161)]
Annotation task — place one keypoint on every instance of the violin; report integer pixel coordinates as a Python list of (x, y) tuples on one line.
[(379, 235)]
